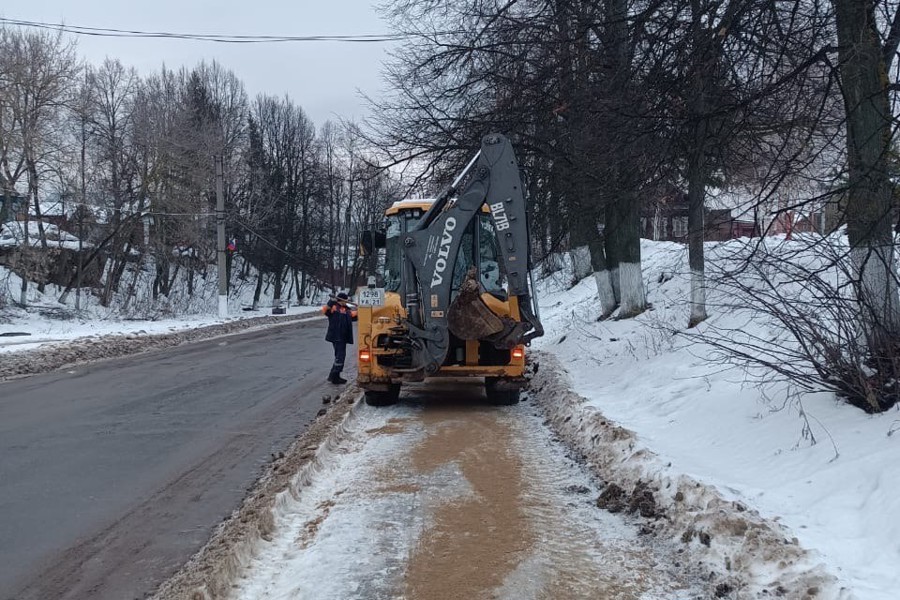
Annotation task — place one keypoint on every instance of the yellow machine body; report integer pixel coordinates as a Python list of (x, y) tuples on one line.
[(469, 358)]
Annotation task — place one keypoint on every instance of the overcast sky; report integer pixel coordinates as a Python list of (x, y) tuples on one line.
[(322, 77)]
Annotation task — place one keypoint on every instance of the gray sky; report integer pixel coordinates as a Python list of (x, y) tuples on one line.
[(322, 77)]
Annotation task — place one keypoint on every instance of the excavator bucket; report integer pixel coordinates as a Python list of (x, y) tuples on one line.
[(469, 318)]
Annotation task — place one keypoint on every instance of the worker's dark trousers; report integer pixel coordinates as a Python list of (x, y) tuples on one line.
[(340, 355)]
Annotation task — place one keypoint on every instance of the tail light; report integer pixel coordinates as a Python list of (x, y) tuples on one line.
[(365, 356), (518, 353)]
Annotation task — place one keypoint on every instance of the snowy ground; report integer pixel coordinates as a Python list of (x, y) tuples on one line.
[(47, 322), (840, 496), (43, 331)]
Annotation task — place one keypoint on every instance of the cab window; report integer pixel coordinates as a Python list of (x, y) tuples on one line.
[(490, 265)]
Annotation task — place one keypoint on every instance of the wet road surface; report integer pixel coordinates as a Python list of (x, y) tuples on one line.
[(113, 474)]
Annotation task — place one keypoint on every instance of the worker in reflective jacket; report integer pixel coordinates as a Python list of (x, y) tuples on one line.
[(341, 315)]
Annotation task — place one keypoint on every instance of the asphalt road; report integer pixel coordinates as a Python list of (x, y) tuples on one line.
[(113, 474)]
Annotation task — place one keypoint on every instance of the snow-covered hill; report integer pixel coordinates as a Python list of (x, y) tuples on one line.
[(822, 468)]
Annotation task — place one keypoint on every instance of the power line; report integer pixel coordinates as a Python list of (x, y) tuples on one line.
[(203, 37)]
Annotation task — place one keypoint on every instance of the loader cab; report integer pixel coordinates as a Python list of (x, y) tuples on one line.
[(397, 222), (479, 248)]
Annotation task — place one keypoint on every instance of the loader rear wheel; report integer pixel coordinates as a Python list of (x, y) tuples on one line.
[(500, 397), (379, 398)]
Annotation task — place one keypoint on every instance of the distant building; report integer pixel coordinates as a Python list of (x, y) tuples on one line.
[(790, 222), (12, 207), (666, 219), (56, 209)]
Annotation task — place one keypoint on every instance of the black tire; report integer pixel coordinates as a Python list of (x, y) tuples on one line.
[(375, 398), (500, 397)]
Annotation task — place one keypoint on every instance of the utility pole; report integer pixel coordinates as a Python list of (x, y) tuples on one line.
[(220, 242), (81, 209)]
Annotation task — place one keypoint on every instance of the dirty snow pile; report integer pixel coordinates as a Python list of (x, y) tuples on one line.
[(824, 470)]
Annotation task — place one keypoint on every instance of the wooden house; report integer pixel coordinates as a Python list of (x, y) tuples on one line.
[(12, 207), (666, 219)]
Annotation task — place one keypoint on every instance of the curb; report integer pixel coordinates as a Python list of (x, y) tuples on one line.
[(212, 571), (738, 552)]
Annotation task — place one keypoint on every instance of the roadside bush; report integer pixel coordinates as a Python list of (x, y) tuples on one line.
[(793, 310)]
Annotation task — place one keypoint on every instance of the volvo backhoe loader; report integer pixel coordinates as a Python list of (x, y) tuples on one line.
[(456, 299)]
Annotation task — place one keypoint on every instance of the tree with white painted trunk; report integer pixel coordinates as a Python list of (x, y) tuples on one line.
[(847, 337), (734, 79), (624, 176), (603, 278), (864, 66), (707, 129)]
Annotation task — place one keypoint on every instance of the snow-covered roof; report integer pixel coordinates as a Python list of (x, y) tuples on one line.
[(53, 208), (13, 234)]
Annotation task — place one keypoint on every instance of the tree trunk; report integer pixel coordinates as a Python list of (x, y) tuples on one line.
[(258, 291), (864, 84), (161, 275), (696, 198), (276, 295), (603, 280), (42, 236), (610, 245), (171, 283), (303, 285), (581, 261), (114, 275), (131, 288), (345, 262), (702, 80), (623, 217), (633, 298), (298, 286), (26, 252)]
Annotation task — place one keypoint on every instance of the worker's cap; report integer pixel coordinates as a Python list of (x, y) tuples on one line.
[(343, 296)]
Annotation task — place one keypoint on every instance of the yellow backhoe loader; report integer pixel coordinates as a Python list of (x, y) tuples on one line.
[(455, 296)]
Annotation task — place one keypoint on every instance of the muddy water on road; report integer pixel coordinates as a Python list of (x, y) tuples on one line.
[(451, 498)]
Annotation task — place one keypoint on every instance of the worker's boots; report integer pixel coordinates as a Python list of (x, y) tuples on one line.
[(336, 379)]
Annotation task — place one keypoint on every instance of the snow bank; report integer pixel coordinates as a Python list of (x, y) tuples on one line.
[(740, 554), (824, 470), (46, 321), (216, 568)]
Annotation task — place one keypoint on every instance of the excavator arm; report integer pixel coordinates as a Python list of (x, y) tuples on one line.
[(432, 249)]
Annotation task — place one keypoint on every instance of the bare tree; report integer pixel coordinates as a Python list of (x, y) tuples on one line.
[(864, 63), (139, 153), (40, 72), (283, 151), (332, 174)]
